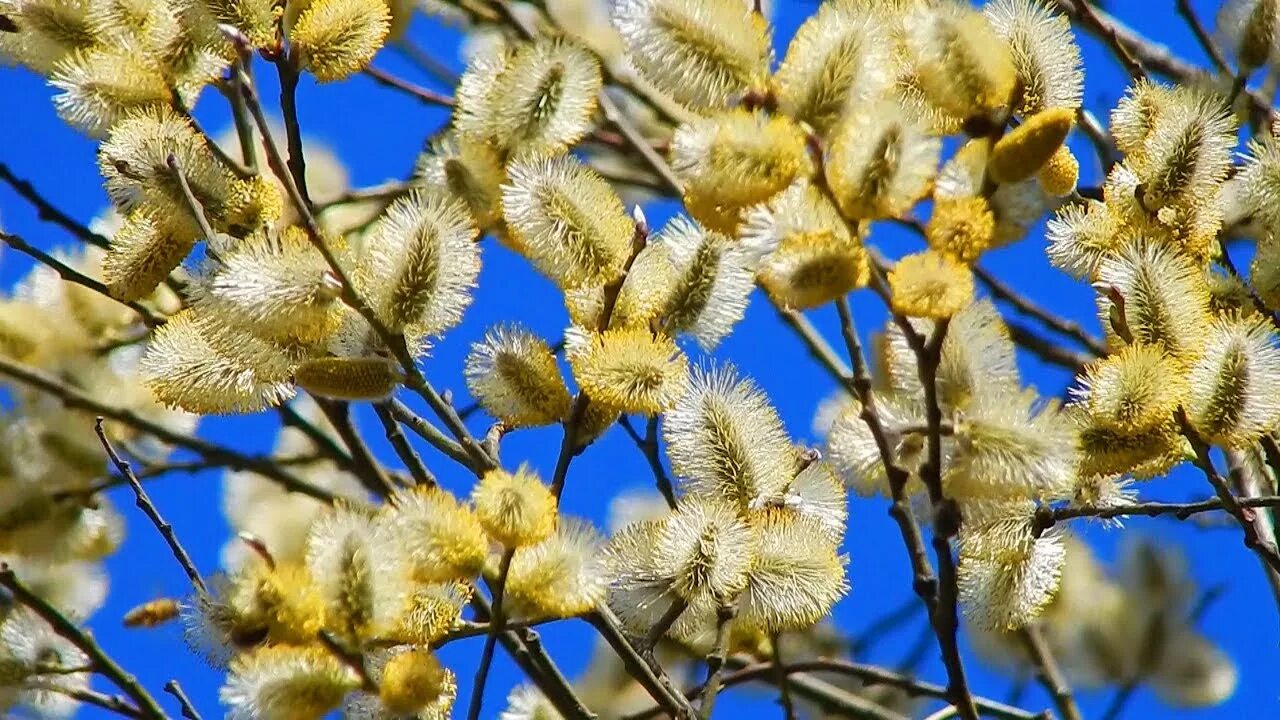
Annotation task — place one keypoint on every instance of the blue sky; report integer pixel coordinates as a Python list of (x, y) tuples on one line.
[(378, 133)]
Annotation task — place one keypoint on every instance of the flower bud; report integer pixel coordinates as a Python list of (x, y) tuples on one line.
[(516, 509), (337, 38), (353, 379), (1025, 149)]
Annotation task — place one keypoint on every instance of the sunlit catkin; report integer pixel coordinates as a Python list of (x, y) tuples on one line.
[(739, 157), (963, 66), (705, 548), (1251, 28), (513, 375), (341, 548), (421, 264), (963, 228), (1165, 301), (796, 577), (568, 220), (336, 38), (725, 439), (1235, 385), (516, 509), (1023, 151), (470, 169), (134, 160), (1008, 575), (1045, 56), (1188, 151), (560, 576), (1058, 176), (441, 539), (814, 256), (190, 364), (543, 100), (101, 86), (930, 284), (412, 680), (1134, 391), (702, 54), (143, 252), (880, 161), (276, 285), (630, 369), (47, 31), (836, 61), (714, 277), (284, 683)]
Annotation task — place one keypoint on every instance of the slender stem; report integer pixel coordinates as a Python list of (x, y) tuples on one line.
[(287, 71), (426, 96), (716, 660), (646, 671), (1028, 307), (430, 433), (193, 203), (1265, 548), (409, 456), (149, 509), (323, 441), (649, 446), (780, 672), (367, 468), (1047, 669), (49, 212), (143, 702), (1047, 517), (882, 626), (664, 623), (76, 399), (188, 708), (1197, 28), (111, 703), (149, 317), (496, 626), (1086, 14)]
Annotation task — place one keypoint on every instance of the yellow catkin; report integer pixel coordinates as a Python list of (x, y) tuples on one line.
[(1059, 175), (336, 38), (631, 369), (516, 509), (930, 285), (1025, 149), (961, 227), (410, 681), (370, 378)]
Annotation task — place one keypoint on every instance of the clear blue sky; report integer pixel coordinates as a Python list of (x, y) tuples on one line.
[(378, 133)]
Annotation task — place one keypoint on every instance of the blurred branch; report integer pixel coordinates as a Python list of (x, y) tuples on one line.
[(648, 445), (424, 95), (149, 317), (76, 399), (412, 461), (149, 509), (188, 708), (1047, 670), (49, 212), (143, 703), (1043, 315)]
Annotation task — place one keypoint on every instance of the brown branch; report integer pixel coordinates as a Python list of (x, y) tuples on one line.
[(647, 672), (1265, 548), (143, 702), (1030, 308), (75, 399), (149, 317), (1047, 517), (1047, 350), (367, 468), (648, 444), (409, 456), (424, 95), (111, 703), (49, 212), (716, 660), (188, 708), (1197, 28), (1088, 16), (1049, 673), (497, 622), (432, 435), (149, 509), (323, 442)]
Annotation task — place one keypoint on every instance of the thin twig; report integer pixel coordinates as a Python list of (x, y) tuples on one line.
[(409, 456), (367, 468), (1047, 670), (426, 96), (188, 708), (716, 660), (149, 509), (784, 686), (49, 212), (648, 673), (111, 703), (1047, 517), (1030, 308), (649, 446), (149, 317), (431, 434), (1085, 13), (145, 704), (496, 625), (76, 399), (1210, 47)]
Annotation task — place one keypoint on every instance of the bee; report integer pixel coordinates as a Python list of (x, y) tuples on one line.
[(152, 613)]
